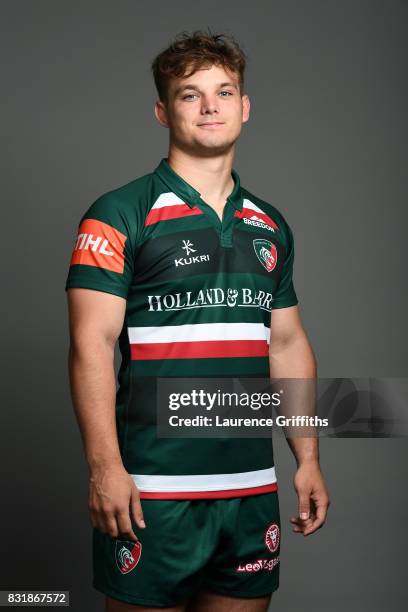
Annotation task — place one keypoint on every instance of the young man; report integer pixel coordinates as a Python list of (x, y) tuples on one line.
[(193, 275)]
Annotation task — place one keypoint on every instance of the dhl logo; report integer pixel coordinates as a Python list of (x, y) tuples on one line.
[(99, 244), (86, 241)]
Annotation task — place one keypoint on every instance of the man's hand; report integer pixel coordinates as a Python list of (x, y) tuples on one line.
[(112, 494), (313, 498)]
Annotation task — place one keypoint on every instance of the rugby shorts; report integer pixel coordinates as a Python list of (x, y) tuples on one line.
[(227, 546)]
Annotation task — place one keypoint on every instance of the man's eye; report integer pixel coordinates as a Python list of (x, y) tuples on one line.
[(190, 96)]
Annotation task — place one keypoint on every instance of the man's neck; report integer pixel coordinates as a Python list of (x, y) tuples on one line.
[(211, 177)]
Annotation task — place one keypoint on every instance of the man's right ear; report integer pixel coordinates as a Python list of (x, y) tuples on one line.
[(161, 113)]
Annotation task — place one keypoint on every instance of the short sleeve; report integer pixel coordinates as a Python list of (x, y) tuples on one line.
[(285, 294), (103, 251)]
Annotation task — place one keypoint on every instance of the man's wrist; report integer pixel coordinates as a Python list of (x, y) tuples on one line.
[(103, 463), (308, 462)]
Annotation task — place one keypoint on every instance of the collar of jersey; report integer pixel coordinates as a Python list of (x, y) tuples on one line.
[(184, 190)]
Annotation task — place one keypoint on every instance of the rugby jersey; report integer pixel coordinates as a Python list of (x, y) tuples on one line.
[(199, 296)]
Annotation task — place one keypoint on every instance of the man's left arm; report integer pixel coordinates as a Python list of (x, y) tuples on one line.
[(291, 356)]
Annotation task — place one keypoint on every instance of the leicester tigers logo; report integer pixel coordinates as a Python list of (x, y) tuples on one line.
[(127, 555), (272, 537), (267, 253)]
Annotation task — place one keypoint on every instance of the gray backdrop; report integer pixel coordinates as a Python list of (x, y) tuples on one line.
[(326, 143)]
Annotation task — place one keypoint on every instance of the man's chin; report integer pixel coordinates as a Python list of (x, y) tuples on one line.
[(205, 147), (209, 149)]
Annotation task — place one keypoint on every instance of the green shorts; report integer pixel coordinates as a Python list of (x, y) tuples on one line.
[(228, 546)]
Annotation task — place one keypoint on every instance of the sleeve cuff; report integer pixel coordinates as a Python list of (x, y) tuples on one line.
[(105, 287)]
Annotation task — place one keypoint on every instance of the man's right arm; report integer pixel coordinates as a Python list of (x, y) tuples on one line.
[(95, 322)]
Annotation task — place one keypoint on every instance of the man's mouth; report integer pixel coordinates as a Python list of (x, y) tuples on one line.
[(210, 124)]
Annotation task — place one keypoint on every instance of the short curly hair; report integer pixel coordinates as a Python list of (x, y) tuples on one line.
[(195, 50)]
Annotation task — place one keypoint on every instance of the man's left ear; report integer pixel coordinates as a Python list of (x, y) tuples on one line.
[(246, 106)]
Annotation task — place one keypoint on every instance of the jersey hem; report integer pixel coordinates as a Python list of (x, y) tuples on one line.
[(205, 483)]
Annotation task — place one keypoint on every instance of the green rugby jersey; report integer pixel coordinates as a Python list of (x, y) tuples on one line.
[(200, 293)]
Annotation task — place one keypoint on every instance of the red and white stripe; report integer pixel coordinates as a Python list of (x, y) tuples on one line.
[(199, 340), (250, 210), (170, 206), (206, 485)]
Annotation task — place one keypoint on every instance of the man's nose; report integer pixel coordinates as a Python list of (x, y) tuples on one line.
[(209, 104)]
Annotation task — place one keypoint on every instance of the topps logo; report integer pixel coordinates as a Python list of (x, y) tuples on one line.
[(186, 261), (85, 242)]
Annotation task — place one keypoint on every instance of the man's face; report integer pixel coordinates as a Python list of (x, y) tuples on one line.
[(205, 111)]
